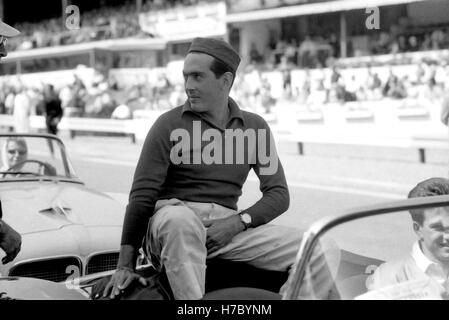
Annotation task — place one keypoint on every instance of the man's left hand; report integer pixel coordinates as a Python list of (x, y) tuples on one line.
[(221, 231)]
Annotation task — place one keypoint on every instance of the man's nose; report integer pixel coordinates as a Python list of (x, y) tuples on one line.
[(189, 84), (445, 235)]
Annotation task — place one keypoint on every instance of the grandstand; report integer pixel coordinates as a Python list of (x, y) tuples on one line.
[(310, 52)]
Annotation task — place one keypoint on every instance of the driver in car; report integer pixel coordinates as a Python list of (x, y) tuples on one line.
[(14, 154), (429, 257)]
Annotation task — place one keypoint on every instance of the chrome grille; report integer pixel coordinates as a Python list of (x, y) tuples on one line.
[(53, 270), (102, 262)]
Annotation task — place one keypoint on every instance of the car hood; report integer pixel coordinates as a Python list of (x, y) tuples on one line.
[(48, 205), (37, 289)]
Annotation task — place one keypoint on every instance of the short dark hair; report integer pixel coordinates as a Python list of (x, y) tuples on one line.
[(219, 68), (427, 188)]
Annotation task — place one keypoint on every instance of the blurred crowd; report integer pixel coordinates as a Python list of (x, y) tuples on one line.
[(322, 51), (103, 98), (404, 37), (314, 51), (97, 24), (422, 81), (317, 87), (253, 89)]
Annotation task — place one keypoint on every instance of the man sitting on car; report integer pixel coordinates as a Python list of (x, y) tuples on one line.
[(188, 211), (429, 257)]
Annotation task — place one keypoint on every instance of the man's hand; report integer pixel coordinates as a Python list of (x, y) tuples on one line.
[(120, 280), (10, 242), (221, 231), (125, 274)]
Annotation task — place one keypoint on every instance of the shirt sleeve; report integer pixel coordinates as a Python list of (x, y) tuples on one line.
[(273, 185), (149, 177)]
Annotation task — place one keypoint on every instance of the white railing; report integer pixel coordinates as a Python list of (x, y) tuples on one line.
[(394, 123), (135, 128)]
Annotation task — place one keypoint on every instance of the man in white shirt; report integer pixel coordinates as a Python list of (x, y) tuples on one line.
[(22, 110), (429, 257)]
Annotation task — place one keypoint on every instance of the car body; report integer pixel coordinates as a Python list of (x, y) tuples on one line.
[(339, 258), (68, 229)]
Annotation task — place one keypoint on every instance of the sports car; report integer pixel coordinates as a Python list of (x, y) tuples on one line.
[(68, 229), (395, 250)]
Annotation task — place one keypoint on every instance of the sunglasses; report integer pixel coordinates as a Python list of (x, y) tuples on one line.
[(20, 152), (3, 40)]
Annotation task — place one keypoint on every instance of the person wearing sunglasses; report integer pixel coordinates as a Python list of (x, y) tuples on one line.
[(10, 239), (15, 152)]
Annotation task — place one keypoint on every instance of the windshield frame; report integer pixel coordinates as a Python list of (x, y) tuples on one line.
[(312, 235), (68, 167)]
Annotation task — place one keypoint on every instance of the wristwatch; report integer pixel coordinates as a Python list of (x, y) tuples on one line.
[(246, 219)]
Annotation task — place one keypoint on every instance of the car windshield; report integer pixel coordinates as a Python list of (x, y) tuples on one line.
[(24, 157), (394, 256)]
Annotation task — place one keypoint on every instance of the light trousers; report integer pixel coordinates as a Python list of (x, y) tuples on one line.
[(176, 240)]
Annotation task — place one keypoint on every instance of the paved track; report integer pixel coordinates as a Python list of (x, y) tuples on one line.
[(327, 181)]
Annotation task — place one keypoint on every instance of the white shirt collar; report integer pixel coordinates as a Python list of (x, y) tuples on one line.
[(421, 259), (429, 267)]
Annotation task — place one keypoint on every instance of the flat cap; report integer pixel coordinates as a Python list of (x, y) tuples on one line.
[(218, 49), (8, 31)]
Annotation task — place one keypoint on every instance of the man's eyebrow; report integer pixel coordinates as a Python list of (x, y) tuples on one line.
[(192, 72)]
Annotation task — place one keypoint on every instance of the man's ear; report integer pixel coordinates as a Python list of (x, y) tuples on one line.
[(227, 79), (417, 229)]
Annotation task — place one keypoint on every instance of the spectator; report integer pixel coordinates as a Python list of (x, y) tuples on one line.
[(427, 43), (383, 43), (121, 112), (307, 52), (413, 44), (352, 85), (254, 55), (53, 109), (305, 89), (335, 44), (22, 110), (396, 89), (266, 98), (318, 95), (437, 39), (420, 73), (291, 52)]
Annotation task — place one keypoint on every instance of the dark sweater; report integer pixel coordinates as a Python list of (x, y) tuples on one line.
[(158, 177)]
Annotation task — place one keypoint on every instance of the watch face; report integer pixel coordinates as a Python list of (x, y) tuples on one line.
[(246, 218)]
